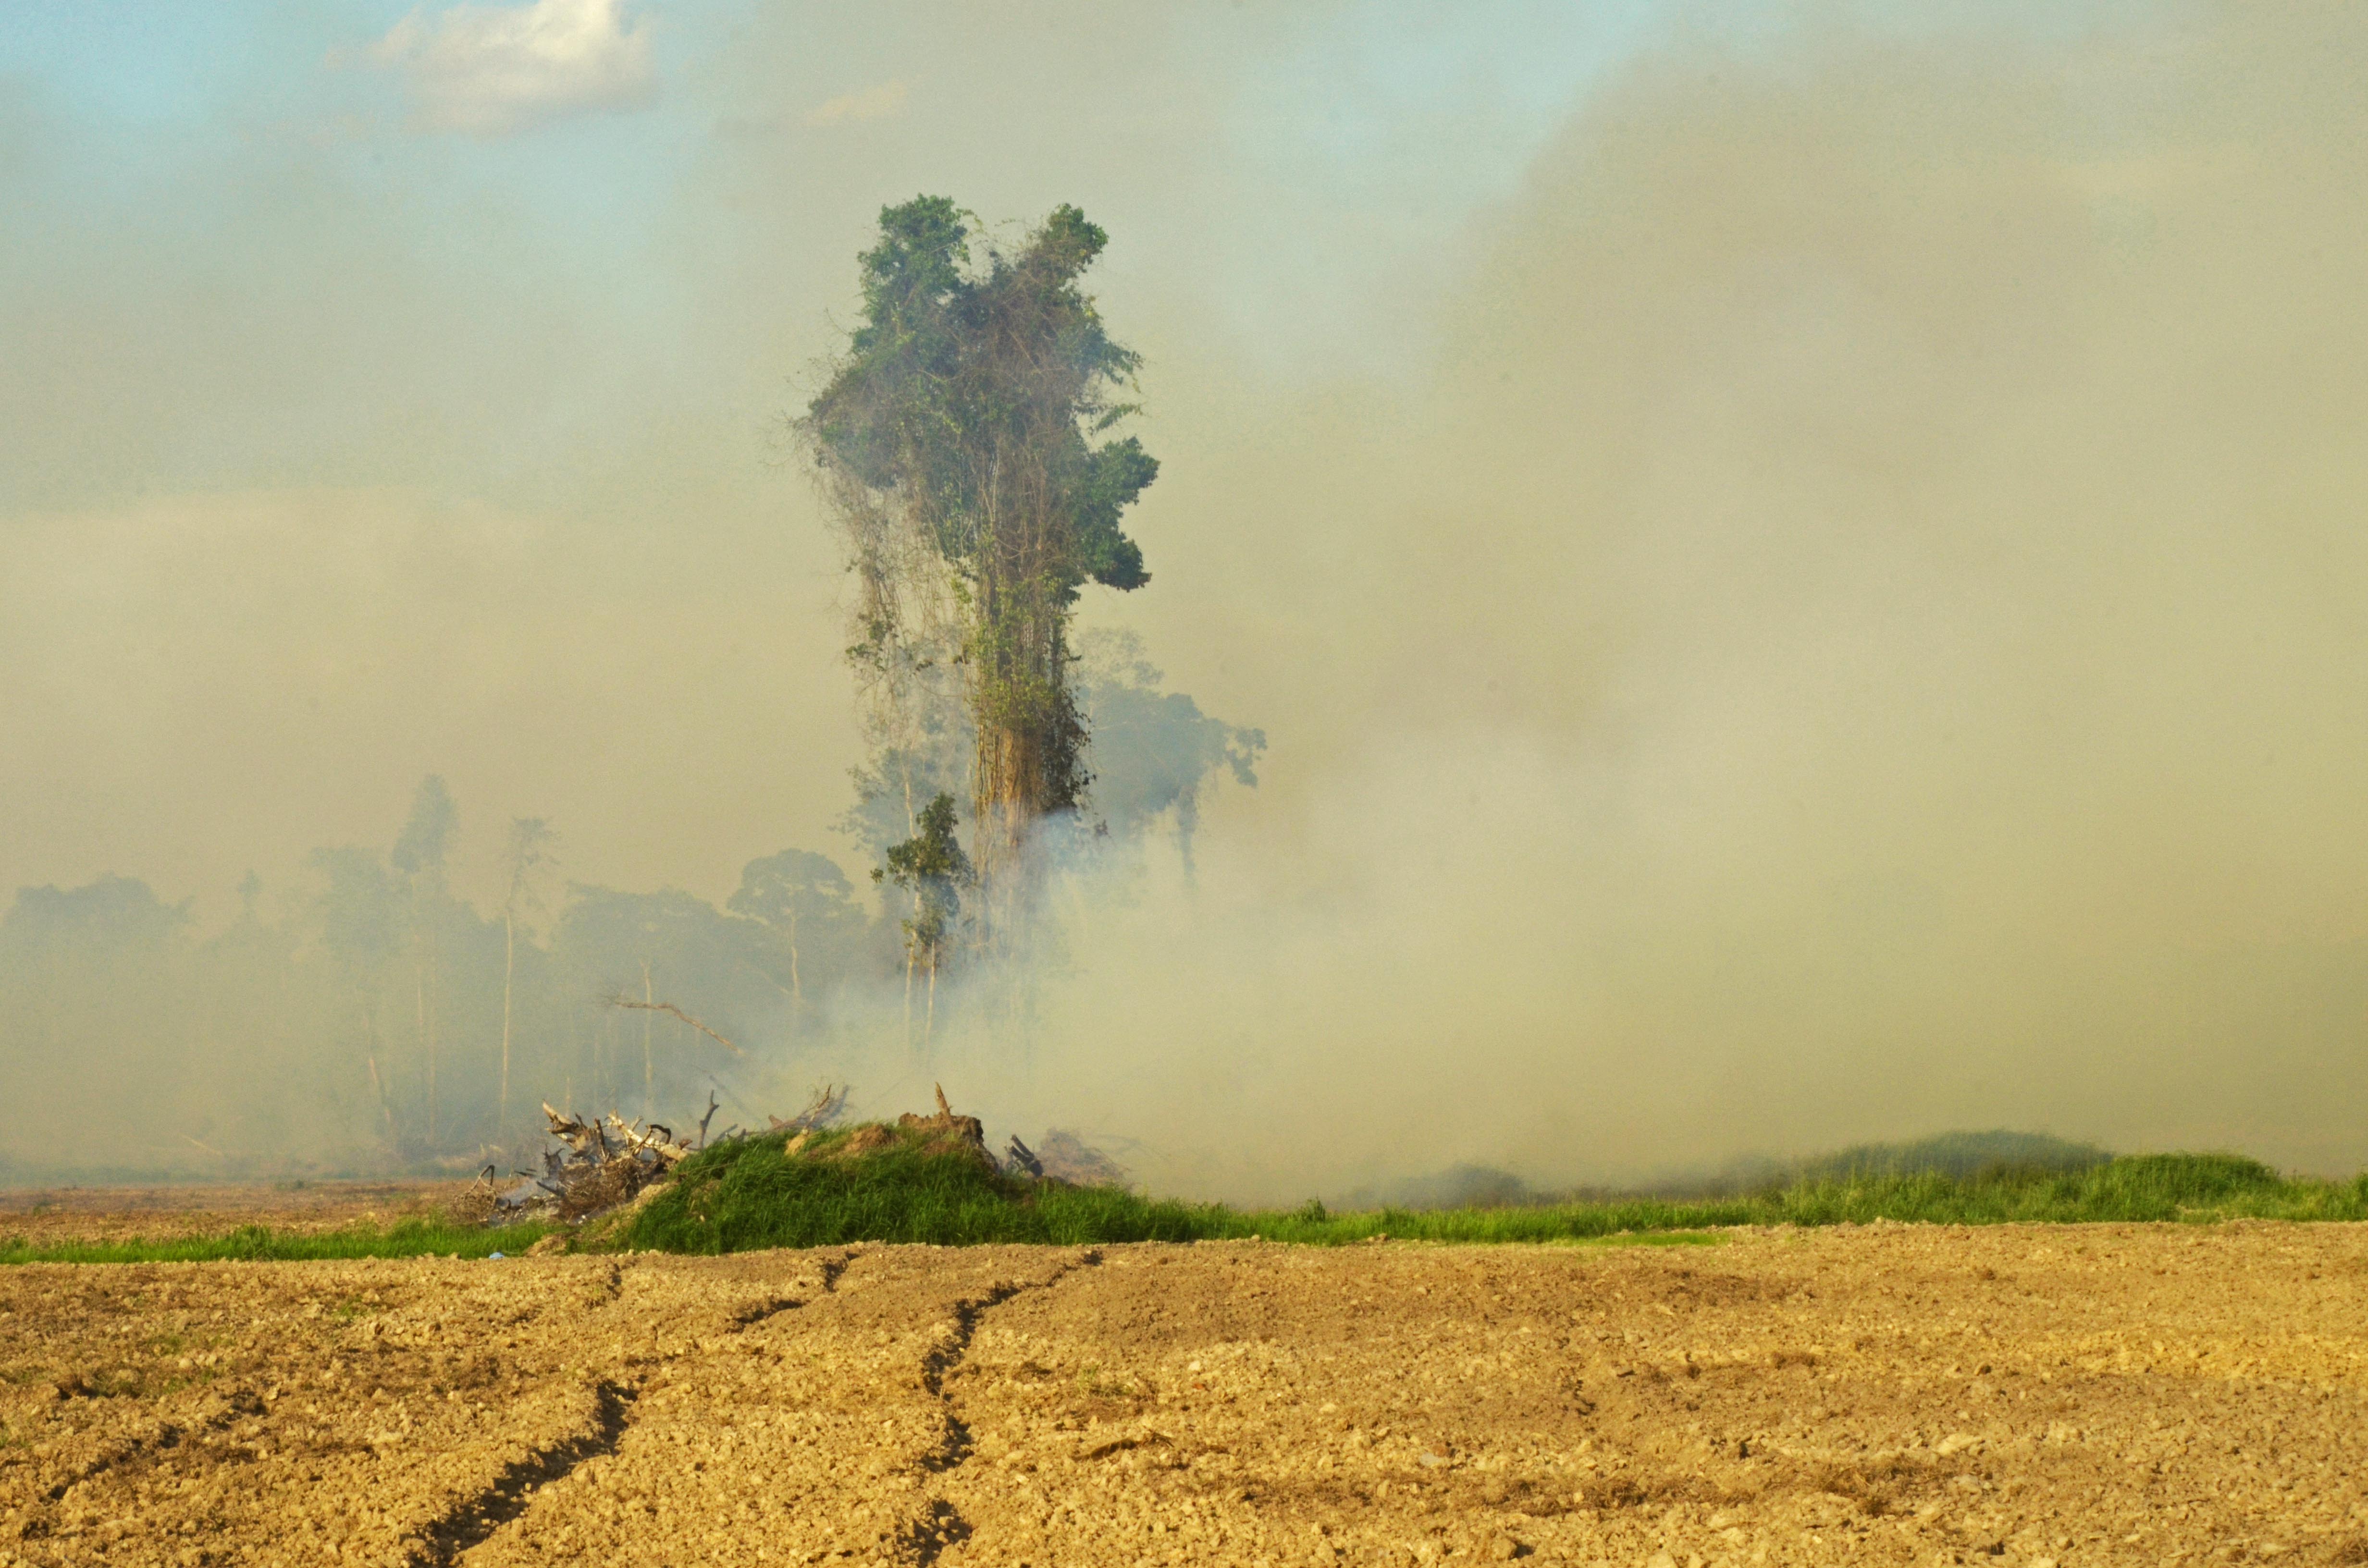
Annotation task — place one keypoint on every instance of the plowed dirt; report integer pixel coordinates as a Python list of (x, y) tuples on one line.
[(1891, 1395)]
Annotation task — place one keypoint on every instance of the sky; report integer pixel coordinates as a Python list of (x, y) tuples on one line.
[(1800, 563), (476, 326)]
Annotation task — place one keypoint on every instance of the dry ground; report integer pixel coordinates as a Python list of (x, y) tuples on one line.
[(1891, 1395), (57, 1215)]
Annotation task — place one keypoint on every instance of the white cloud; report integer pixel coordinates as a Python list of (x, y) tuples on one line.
[(489, 70), (871, 103)]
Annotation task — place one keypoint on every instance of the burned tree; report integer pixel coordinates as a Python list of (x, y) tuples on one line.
[(955, 443)]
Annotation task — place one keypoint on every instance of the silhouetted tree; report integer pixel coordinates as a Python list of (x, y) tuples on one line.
[(798, 893), (361, 916), (418, 856), (529, 854), (1153, 750)]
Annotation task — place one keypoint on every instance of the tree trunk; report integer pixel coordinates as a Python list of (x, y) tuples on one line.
[(797, 990), (378, 1086), (1025, 767), (649, 1077), (431, 1037), (426, 1046), (509, 972)]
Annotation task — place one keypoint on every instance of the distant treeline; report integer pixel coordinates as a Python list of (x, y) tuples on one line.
[(364, 1023), (365, 1026)]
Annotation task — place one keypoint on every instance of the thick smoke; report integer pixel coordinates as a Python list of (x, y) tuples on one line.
[(1857, 628), (1864, 638)]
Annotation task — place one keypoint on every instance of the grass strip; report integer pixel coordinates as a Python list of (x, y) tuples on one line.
[(255, 1244), (749, 1193)]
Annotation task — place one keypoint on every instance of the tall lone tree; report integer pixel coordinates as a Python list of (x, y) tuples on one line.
[(957, 443)]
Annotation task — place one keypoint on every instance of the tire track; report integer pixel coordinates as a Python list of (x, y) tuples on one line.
[(750, 1316), (940, 1524), (472, 1520), (478, 1516)]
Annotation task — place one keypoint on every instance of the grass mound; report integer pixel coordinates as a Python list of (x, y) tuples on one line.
[(876, 1184)]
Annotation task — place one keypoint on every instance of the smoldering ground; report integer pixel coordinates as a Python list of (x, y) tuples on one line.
[(1854, 628)]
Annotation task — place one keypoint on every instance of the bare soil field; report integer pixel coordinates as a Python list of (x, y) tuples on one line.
[(2013, 1396), (49, 1216)]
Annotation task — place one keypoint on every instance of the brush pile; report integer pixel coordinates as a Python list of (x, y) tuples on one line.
[(598, 1164), (601, 1164), (608, 1165)]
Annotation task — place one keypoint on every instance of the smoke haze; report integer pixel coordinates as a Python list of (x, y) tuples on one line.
[(1803, 579)]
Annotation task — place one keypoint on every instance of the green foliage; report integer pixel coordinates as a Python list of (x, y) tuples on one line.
[(956, 441), (748, 1193), (969, 395), (932, 868), (2146, 1188), (1956, 1155)]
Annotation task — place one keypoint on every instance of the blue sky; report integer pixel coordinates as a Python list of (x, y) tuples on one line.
[(243, 163), (361, 244), (1308, 126)]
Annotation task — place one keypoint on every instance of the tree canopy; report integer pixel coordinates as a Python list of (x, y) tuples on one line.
[(931, 867), (960, 443)]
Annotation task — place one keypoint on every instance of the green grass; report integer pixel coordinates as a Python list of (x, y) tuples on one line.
[(1962, 1154), (253, 1244), (748, 1193), (2141, 1187)]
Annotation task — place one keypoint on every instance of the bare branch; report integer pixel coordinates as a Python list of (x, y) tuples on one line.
[(829, 1102), (621, 1000)]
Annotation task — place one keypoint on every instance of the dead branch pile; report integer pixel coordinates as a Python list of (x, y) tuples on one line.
[(599, 1164), (602, 1163)]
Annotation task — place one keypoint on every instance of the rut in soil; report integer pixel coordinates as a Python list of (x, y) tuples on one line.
[(941, 1524)]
